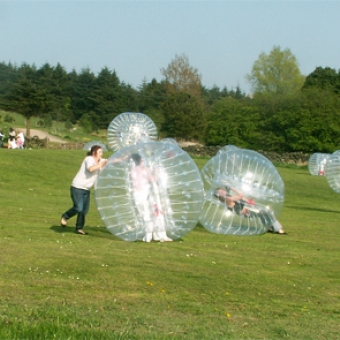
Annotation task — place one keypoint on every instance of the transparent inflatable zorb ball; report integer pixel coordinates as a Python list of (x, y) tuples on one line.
[(317, 163), (129, 128), (89, 145), (227, 148), (149, 191), (253, 180), (333, 171)]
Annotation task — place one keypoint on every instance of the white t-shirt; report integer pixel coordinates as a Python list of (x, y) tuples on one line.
[(84, 178)]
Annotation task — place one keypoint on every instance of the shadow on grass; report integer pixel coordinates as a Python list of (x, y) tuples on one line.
[(101, 232), (312, 209), (92, 231)]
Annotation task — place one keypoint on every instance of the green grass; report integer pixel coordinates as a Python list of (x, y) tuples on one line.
[(55, 284)]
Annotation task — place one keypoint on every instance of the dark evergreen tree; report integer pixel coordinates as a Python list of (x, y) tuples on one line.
[(28, 96), (61, 93), (107, 97), (150, 97), (183, 117), (82, 96), (129, 98), (8, 75)]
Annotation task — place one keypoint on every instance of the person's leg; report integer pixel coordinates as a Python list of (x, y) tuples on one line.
[(159, 232), (83, 206), (265, 218), (143, 207), (74, 210), (277, 228)]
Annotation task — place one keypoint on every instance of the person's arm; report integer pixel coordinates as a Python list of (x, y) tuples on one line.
[(239, 195), (101, 163), (117, 160)]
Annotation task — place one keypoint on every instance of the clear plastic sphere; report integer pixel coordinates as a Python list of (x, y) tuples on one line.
[(227, 148), (132, 205), (89, 145), (129, 128), (317, 163), (245, 172), (333, 171)]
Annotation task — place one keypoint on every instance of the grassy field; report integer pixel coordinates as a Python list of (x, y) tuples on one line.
[(58, 285)]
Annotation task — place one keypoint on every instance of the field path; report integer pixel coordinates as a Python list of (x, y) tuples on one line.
[(43, 134)]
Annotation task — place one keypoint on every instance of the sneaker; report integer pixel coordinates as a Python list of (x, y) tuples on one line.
[(63, 222)]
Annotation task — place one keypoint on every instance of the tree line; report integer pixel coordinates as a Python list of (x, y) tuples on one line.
[(287, 111)]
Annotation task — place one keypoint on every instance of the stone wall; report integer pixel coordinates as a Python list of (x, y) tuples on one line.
[(298, 158), (198, 150)]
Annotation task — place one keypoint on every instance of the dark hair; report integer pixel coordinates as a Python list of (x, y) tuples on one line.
[(136, 158), (94, 150), (217, 195)]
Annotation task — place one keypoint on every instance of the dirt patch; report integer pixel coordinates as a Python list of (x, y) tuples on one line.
[(184, 144), (43, 134)]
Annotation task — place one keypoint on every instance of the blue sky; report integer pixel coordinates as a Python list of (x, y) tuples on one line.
[(222, 39)]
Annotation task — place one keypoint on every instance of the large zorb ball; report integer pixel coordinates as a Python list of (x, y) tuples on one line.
[(174, 201), (333, 171), (317, 163), (129, 128), (256, 177), (89, 145)]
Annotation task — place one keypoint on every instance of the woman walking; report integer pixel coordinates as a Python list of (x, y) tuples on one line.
[(80, 188)]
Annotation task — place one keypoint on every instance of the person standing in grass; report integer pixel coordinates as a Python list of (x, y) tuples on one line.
[(147, 202), (20, 140), (80, 188), (12, 144)]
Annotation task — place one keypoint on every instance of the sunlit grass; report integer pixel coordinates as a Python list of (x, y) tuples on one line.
[(59, 285)]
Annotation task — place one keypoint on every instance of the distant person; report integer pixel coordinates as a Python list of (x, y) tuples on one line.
[(12, 144), (20, 140), (80, 188), (1, 139), (238, 203)]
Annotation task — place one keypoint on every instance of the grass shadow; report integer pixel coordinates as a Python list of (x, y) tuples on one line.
[(92, 231), (294, 207)]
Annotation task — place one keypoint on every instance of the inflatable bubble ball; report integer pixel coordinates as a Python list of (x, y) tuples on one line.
[(129, 128), (227, 148), (317, 163), (333, 171), (149, 191), (243, 193), (89, 145)]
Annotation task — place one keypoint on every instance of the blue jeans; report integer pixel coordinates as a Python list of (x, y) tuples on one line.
[(81, 205)]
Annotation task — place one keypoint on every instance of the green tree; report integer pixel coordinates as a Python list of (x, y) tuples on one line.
[(8, 75), (150, 98), (28, 96), (326, 79), (82, 97), (181, 77), (183, 117), (61, 92), (107, 98), (233, 122), (277, 72)]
